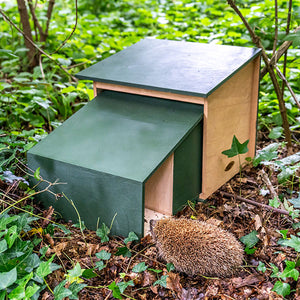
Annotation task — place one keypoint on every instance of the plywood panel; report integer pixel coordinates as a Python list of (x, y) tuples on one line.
[(228, 111), (159, 188), (145, 92)]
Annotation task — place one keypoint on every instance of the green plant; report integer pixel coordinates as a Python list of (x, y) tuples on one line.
[(250, 240), (22, 271)]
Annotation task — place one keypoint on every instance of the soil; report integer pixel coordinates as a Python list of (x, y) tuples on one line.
[(221, 209)]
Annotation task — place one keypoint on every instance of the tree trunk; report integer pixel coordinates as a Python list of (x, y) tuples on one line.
[(31, 54)]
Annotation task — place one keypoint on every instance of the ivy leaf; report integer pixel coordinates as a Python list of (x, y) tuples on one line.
[(31, 290), (3, 246), (123, 251), (100, 265), (274, 202), (290, 271), (116, 290), (75, 288), (261, 267), (141, 267), (123, 285), (293, 242), (103, 232), (73, 274), (250, 240), (8, 278), (170, 267), (37, 174), (131, 237), (60, 292), (295, 201), (162, 281), (44, 268), (236, 148), (19, 292), (11, 235), (89, 273), (276, 133), (266, 154), (157, 271), (282, 288), (103, 255)]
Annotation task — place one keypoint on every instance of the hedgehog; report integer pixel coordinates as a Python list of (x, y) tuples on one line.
[(197, 248)]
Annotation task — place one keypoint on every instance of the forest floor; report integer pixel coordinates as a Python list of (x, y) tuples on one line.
[(227, 212)]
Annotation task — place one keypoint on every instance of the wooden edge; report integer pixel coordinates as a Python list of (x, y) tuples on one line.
[(95, 89), (159, 188), (144, 92), (254, 106), (204, 143)]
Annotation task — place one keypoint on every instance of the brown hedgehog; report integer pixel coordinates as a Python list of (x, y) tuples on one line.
[(196, 247)]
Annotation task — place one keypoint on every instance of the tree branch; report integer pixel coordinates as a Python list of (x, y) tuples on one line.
[(35, 19), (36, 46), (27, 31), (283, 78), (49, 14), (74, 28), (268, 207), (257, 42)]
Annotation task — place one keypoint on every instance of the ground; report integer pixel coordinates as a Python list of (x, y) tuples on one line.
[(221, 209)]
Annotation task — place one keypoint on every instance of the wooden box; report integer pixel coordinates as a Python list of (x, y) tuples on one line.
[(152, 137)]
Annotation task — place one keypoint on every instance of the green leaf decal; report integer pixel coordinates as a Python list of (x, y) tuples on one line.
[(236, 148)]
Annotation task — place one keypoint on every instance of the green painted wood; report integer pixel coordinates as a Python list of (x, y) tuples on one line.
[(188, 169), (172, 66), (121, 134), (105, 153), (96, 195)]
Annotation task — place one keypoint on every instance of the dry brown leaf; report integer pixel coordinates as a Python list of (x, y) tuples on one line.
[(173, 282), (154, 289), (249, 280), (214, 221), (47, 214), (211, 291), (257, 222), (57, 249), (148, 279)]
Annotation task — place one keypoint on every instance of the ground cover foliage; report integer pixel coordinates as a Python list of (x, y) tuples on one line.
[(41, 257)]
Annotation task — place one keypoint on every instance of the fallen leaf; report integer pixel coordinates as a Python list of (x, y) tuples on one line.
[(148, 279), (249, 280), (47, 214), (214, 221), (173, 282)]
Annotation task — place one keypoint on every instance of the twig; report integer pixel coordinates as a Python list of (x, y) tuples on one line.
[(257, 42), (275, 58), (267, 181), (276, 26), (282, 76), (36, 46), (268, 207), (74, 28)]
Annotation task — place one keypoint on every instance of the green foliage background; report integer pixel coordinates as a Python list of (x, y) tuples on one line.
[(32, 103)]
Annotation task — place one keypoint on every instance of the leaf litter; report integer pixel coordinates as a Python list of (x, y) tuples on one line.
[(254, 280)]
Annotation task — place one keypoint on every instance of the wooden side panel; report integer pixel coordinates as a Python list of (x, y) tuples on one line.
[(228, 111), (145, 92), (254, 106), (159, 188)]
